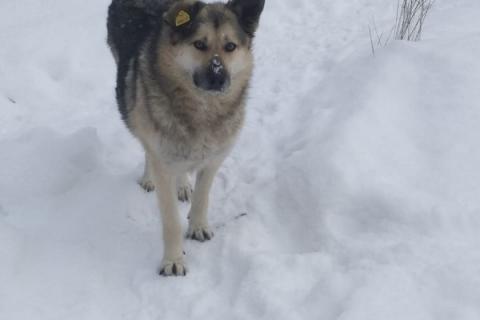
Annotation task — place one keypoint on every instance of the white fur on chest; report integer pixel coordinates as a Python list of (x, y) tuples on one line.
[(190, 155)]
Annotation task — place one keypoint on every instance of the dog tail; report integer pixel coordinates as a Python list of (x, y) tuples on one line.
[(129, 24)]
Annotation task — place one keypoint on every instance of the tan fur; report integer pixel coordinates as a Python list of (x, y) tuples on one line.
[(185, 129)]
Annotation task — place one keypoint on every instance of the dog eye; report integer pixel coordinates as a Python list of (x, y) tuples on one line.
[(230, 47), (200, 45)]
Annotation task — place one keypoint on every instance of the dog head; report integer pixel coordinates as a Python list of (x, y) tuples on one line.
[(209, 45)]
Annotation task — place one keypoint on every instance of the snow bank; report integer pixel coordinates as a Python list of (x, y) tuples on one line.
[(388, 165)]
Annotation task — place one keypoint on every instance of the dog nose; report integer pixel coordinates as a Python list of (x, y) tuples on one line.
[(216, 75)]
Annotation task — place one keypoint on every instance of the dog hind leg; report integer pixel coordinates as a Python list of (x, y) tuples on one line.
[(184, 188), (146, 181)]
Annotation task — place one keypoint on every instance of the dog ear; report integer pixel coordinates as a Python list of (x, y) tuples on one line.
[(181, 17), (182, 14), (248, 13)]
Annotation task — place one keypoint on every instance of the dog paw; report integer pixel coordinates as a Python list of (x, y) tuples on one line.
[(174, 268), (201, 234), (185, 192), (146, 184)]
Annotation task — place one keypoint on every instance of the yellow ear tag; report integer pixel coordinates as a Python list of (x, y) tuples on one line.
[(182, 18)]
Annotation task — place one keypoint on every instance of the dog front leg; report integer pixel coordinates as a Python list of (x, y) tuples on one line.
[(166, 186), (198, 227)]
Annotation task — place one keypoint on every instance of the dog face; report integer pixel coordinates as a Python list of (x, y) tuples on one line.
[(210, 44)]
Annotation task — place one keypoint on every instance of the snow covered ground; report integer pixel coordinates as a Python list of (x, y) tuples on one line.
[(353, 194)]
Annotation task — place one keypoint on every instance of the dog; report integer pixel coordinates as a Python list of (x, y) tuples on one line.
[(183, 72)]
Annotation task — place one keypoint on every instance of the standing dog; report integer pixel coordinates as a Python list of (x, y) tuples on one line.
[(183, 71)]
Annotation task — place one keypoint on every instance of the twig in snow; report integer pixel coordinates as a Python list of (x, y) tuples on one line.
[(237, 217), (410, 18), (409, 21), (378, 39)]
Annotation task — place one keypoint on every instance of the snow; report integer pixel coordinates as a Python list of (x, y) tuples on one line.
[(353, 193)]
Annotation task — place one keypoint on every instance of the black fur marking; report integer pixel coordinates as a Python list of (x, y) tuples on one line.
[(129, 25), (186, 30), (248, 13), (217, 17), (151, 59)]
